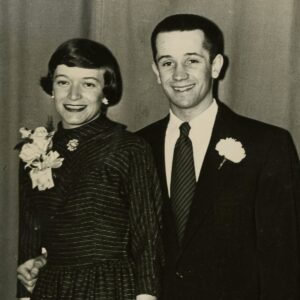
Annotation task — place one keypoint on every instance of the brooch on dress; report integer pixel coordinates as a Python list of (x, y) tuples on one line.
[(72, 145)]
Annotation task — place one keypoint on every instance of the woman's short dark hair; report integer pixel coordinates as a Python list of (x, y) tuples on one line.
[(87, 54), (214, 41)]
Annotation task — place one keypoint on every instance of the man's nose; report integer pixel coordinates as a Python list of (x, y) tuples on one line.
[(74, 93), (180, 73)]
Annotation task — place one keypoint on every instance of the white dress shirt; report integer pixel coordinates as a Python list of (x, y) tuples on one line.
[(200, 134)]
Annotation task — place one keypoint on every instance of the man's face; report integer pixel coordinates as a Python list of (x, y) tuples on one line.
[(184, 70)]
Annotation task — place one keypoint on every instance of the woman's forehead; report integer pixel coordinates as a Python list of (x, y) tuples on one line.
[(78, 72)]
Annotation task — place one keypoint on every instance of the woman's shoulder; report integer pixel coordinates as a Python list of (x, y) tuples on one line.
[(117, 138), (128, 140)]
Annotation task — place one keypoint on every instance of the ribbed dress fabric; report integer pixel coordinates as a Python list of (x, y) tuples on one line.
[(101, 223)]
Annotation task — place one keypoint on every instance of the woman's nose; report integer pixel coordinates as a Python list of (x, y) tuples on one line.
[(180, 73), (74, 93)]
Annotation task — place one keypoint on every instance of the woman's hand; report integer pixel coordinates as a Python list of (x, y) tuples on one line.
[(28, 272), (145, 297)]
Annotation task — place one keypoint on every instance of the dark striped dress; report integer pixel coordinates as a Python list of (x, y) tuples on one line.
[(100, 223)]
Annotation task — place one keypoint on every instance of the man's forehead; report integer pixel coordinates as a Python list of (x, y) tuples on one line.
[(180, 33), (180, 41)]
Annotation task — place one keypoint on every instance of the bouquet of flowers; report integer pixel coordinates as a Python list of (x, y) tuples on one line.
[(35, 151)]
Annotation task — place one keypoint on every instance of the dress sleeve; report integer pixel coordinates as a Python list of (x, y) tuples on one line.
[(277, 216), (145, 222), (29, 228)]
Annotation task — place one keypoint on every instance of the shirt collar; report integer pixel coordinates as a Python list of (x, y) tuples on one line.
[(198, 121)]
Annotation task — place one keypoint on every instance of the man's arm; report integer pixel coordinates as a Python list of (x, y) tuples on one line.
[(277, 220)]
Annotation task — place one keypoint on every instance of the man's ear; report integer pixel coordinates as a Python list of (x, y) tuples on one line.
[(217, 65), (156, 72)]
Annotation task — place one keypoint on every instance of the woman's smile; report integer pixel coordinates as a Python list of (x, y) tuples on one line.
[(74, 107)]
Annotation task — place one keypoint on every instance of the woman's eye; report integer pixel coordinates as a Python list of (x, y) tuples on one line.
[(62, 82), (89, 84)]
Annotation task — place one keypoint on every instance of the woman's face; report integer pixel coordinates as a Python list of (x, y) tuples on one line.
[(78, 94)]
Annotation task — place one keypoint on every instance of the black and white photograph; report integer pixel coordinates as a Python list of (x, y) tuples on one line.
[(150, 149)]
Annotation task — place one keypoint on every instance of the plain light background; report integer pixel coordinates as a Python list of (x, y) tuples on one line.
[(262, 43)]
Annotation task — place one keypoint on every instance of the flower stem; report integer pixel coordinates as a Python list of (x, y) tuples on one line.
[(222, 163)]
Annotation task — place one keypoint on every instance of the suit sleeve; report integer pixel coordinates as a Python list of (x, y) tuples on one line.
[(29, 229), (145, 222), (277, 220)]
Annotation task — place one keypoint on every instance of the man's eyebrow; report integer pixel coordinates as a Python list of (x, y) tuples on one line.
[(194, 53), (162, 57), (185, 54)]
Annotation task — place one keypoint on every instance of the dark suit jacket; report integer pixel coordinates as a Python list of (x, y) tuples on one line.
[(242, 236)]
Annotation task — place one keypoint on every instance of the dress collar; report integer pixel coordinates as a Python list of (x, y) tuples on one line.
[(98, 126)]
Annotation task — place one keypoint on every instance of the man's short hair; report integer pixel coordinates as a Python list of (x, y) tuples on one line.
[(214, 41)]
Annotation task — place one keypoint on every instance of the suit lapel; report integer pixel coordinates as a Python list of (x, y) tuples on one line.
[(209, 182), (158, 146)]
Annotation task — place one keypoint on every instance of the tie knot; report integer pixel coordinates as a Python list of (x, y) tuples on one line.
[(185, 128)]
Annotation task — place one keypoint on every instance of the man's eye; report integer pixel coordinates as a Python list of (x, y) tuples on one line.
[(192, 61), (166, 64)]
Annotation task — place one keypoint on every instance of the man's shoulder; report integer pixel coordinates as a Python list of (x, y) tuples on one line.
[(248, 124), (256, 136)]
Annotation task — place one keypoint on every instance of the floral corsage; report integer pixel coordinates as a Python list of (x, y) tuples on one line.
[(35, 151), (230, 149)]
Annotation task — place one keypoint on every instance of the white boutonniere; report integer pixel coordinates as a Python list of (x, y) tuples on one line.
[(72, 145), (35, 151), (230, 149)]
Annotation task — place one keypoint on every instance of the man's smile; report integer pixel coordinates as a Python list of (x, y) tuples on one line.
[(183, 88)]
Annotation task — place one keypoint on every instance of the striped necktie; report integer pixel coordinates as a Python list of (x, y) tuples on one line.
[(183, 179)]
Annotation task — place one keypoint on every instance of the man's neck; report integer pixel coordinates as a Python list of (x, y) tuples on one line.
[(187, 114)]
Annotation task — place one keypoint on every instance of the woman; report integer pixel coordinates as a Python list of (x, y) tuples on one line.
[(91, 198)]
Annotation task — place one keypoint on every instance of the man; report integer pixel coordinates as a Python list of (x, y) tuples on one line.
[(230, 184), (239, 239)]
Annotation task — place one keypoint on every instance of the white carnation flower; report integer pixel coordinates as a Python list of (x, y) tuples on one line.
[(230, 149)]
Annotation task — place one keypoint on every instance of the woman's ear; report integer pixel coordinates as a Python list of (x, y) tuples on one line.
[(217, 65), (156, 72)]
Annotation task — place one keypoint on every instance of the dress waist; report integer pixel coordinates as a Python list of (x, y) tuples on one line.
[(90, 260)]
